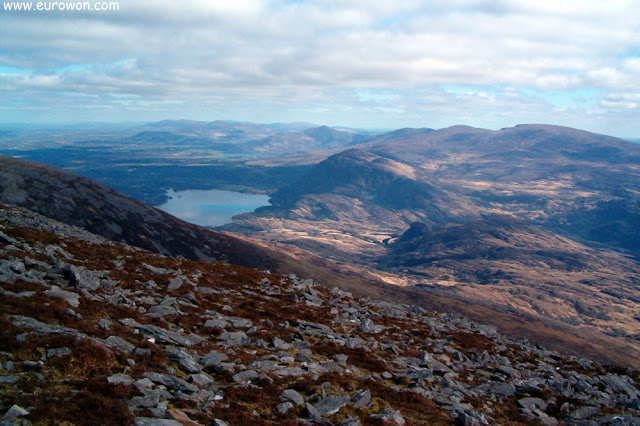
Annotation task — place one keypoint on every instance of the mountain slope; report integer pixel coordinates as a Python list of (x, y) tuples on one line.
[(504, 261), (349, 201), (93, 331), (576, 183), (565, 255), (78, 201)]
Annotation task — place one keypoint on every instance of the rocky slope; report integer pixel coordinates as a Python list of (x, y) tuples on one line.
[(78, 201), (94, 331)]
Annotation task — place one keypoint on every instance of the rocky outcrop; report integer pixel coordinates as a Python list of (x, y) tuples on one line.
[(92, 323)]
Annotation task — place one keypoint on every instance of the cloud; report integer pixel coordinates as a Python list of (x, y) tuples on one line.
[(316, 55)]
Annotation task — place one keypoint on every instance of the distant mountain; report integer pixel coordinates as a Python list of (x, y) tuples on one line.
[(299, 142), (528, 141), (536, 219), (502, 260), (361, 195), (78, 201), (368, 177)]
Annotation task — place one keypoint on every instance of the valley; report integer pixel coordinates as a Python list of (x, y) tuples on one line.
[(538, 222)]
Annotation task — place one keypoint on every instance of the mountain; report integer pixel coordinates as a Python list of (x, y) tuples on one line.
[(364, 196), (504, 261), (93, 331), (78, 201), (298, 142), (564, 249), (574, 182)]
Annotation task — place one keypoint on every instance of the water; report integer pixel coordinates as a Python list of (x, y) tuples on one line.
[(211, 207)]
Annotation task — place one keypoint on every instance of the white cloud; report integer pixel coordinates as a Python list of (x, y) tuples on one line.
[(315, 53)]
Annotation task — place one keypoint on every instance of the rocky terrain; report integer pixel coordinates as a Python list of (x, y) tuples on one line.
[(95, 331)]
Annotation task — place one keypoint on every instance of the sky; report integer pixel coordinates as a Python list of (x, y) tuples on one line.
[(354, 63)]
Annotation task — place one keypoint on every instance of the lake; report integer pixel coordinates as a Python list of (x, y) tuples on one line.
[(212, 207)]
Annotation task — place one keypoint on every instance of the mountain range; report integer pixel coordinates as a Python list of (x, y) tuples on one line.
[(154, 322), (540, 220), (531, 228)]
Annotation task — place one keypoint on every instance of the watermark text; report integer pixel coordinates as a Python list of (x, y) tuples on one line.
[(63, 6)]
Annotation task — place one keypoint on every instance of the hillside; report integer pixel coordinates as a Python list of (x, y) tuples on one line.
[(350, 202), (576, 183), (568, 254), (503, 261), (78, 201), (94, 331)]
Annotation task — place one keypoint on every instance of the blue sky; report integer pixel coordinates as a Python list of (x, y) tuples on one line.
[(360, 63)]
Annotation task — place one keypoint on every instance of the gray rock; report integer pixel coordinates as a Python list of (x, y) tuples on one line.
[(422, 373), (184, 360), (150, 421), (315, 417), (341, 359), (508, 371), (171, 382), (105, 324), (235, 338), (280, 344), (246, 376), (218, 422), (619, 384), (290, 371), (264, 366), (58, 352), (532, 404), (143, 384), (15, 412), (213, 358), (163, 335), (8, 379), (367, 325), (159, 271), (504, 389), (20, 295), (176, 283), (291, 395), (284, 408), (117, 379), (8, 239), (313, 328), (84, 278), (583, 413), (464, 419), (391, 416), (619, 420), (332, 404), (350, 422), (70, 297), (217, 323), (150, 399), (41, 327), (361, 398), (201, 380), (118, 343)]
